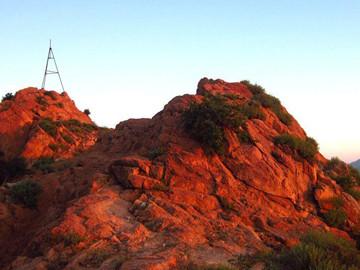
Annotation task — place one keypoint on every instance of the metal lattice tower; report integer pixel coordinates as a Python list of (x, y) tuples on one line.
[(51, 57)]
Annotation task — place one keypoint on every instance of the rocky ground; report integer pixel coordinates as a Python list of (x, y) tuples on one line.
[(147, 195)]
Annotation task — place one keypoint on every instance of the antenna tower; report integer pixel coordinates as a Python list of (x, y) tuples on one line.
[(51, 57)]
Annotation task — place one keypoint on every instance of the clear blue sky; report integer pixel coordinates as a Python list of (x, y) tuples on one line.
[(127, 59)]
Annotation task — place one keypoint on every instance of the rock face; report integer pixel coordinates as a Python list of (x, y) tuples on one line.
[(147, 196), (36, 123)]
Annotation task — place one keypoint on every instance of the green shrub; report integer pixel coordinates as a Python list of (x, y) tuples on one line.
[(355, 174), (244, 137), (308, 148), (67, 138), (268, 258), (335, 217), (76, 126), (346, 182), (49, 126), (252, 110), (316, 251), (87, 111), (50, 94), (345, 176), (71, 238), (319, 250), (8, 96), (59, 105), (255, 89), (26, 192), (72, 122), (334, 163), (41, 101), (53, 146), (206, 121), (44, 164), (210, 135), (337, 202), (305, 148), (354, 193), (278, 157), (89, 127), (268, 101), (73, 125)]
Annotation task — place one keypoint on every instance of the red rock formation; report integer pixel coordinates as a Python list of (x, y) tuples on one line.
[(21, 132), (141, 210)]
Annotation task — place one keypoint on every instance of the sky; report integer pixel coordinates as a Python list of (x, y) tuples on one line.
[(127, 59)]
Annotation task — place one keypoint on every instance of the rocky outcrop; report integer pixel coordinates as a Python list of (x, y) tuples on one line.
[(36, 123), (148, 196)]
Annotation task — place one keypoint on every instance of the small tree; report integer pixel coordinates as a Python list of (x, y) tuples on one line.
[(26, 193), (87, 112), (8, 96)]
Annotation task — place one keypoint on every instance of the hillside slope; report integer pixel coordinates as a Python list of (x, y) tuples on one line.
[(213, 175)]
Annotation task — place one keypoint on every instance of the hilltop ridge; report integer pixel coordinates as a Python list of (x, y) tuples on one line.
[(36, 123), (221, 173)]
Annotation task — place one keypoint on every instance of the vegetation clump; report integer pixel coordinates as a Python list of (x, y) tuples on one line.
[(278, 157), (335, 163), (49, 126), (335, 217), (244, 137), (41, 101), (268, 101), (71, 238), (54, 147), (77, 127), (59, 105), (305, 148), (50, 94), (344, 175), (26, 193), (44, 164), (8, 96), (316, 250), (206, 121), (354, 193), (252, 110), (67, 138)]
